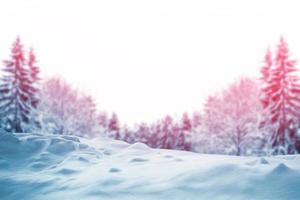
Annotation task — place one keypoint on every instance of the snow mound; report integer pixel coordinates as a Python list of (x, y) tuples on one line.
[(264, 161), (281, 169), (139, 146), (39, 166)]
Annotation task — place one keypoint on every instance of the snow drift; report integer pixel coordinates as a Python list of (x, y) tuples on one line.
[(35, 166)]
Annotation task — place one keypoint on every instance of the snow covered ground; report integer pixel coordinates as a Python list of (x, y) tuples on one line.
[(46, 167)]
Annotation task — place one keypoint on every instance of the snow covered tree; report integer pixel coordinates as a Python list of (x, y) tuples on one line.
[(168, 136), (166, 133), (143, 134), (64, 110), (34, 91), (126, 134), (57, 106), (245, 111), (114, 126), (211, 117), (210, 137), (266, 75), (157, 138), (283, 89), (186, 123), (232, 118), (184, 136), (34, 78), (103, 122), (16, 91), (196, 120), (86, 108)]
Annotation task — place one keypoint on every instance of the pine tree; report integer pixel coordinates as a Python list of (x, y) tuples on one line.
[(186, 123), (15, 107), (168, 136), (185, 132), (283, 89), (34, 78), (196, 120), (113, 126), (266, 73), (143, 133), (34, 92), (157, 136)]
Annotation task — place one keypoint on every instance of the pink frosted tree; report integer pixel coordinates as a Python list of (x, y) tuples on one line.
[(265, 79), (231, 119), (283, 89), (65, 110), (16, 90), (186, 123), (114, 126)]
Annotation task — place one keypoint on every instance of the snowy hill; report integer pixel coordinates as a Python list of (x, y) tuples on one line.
[(42, 167)]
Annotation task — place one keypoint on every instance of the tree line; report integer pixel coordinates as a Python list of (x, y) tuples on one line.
[(252, 116)]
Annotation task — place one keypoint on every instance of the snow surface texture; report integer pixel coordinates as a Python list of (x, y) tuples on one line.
[(44, 167)]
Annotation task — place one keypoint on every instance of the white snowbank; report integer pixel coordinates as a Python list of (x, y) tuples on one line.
[(39, 167)]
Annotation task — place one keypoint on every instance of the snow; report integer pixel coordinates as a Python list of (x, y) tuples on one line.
[(40, 166)]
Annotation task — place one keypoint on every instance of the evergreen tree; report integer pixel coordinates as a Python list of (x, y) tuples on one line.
[(34, 78), (196, 120), (143, 134), (103, 122), (126, 134), (157, 139), (34, 92), (167, 131), (266, 127), (266, 73), (15, 107), (183, 138), (283, 89), (113, 126), (186, 123)]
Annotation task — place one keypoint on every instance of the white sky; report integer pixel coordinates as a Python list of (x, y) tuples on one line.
[(144, 59)]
